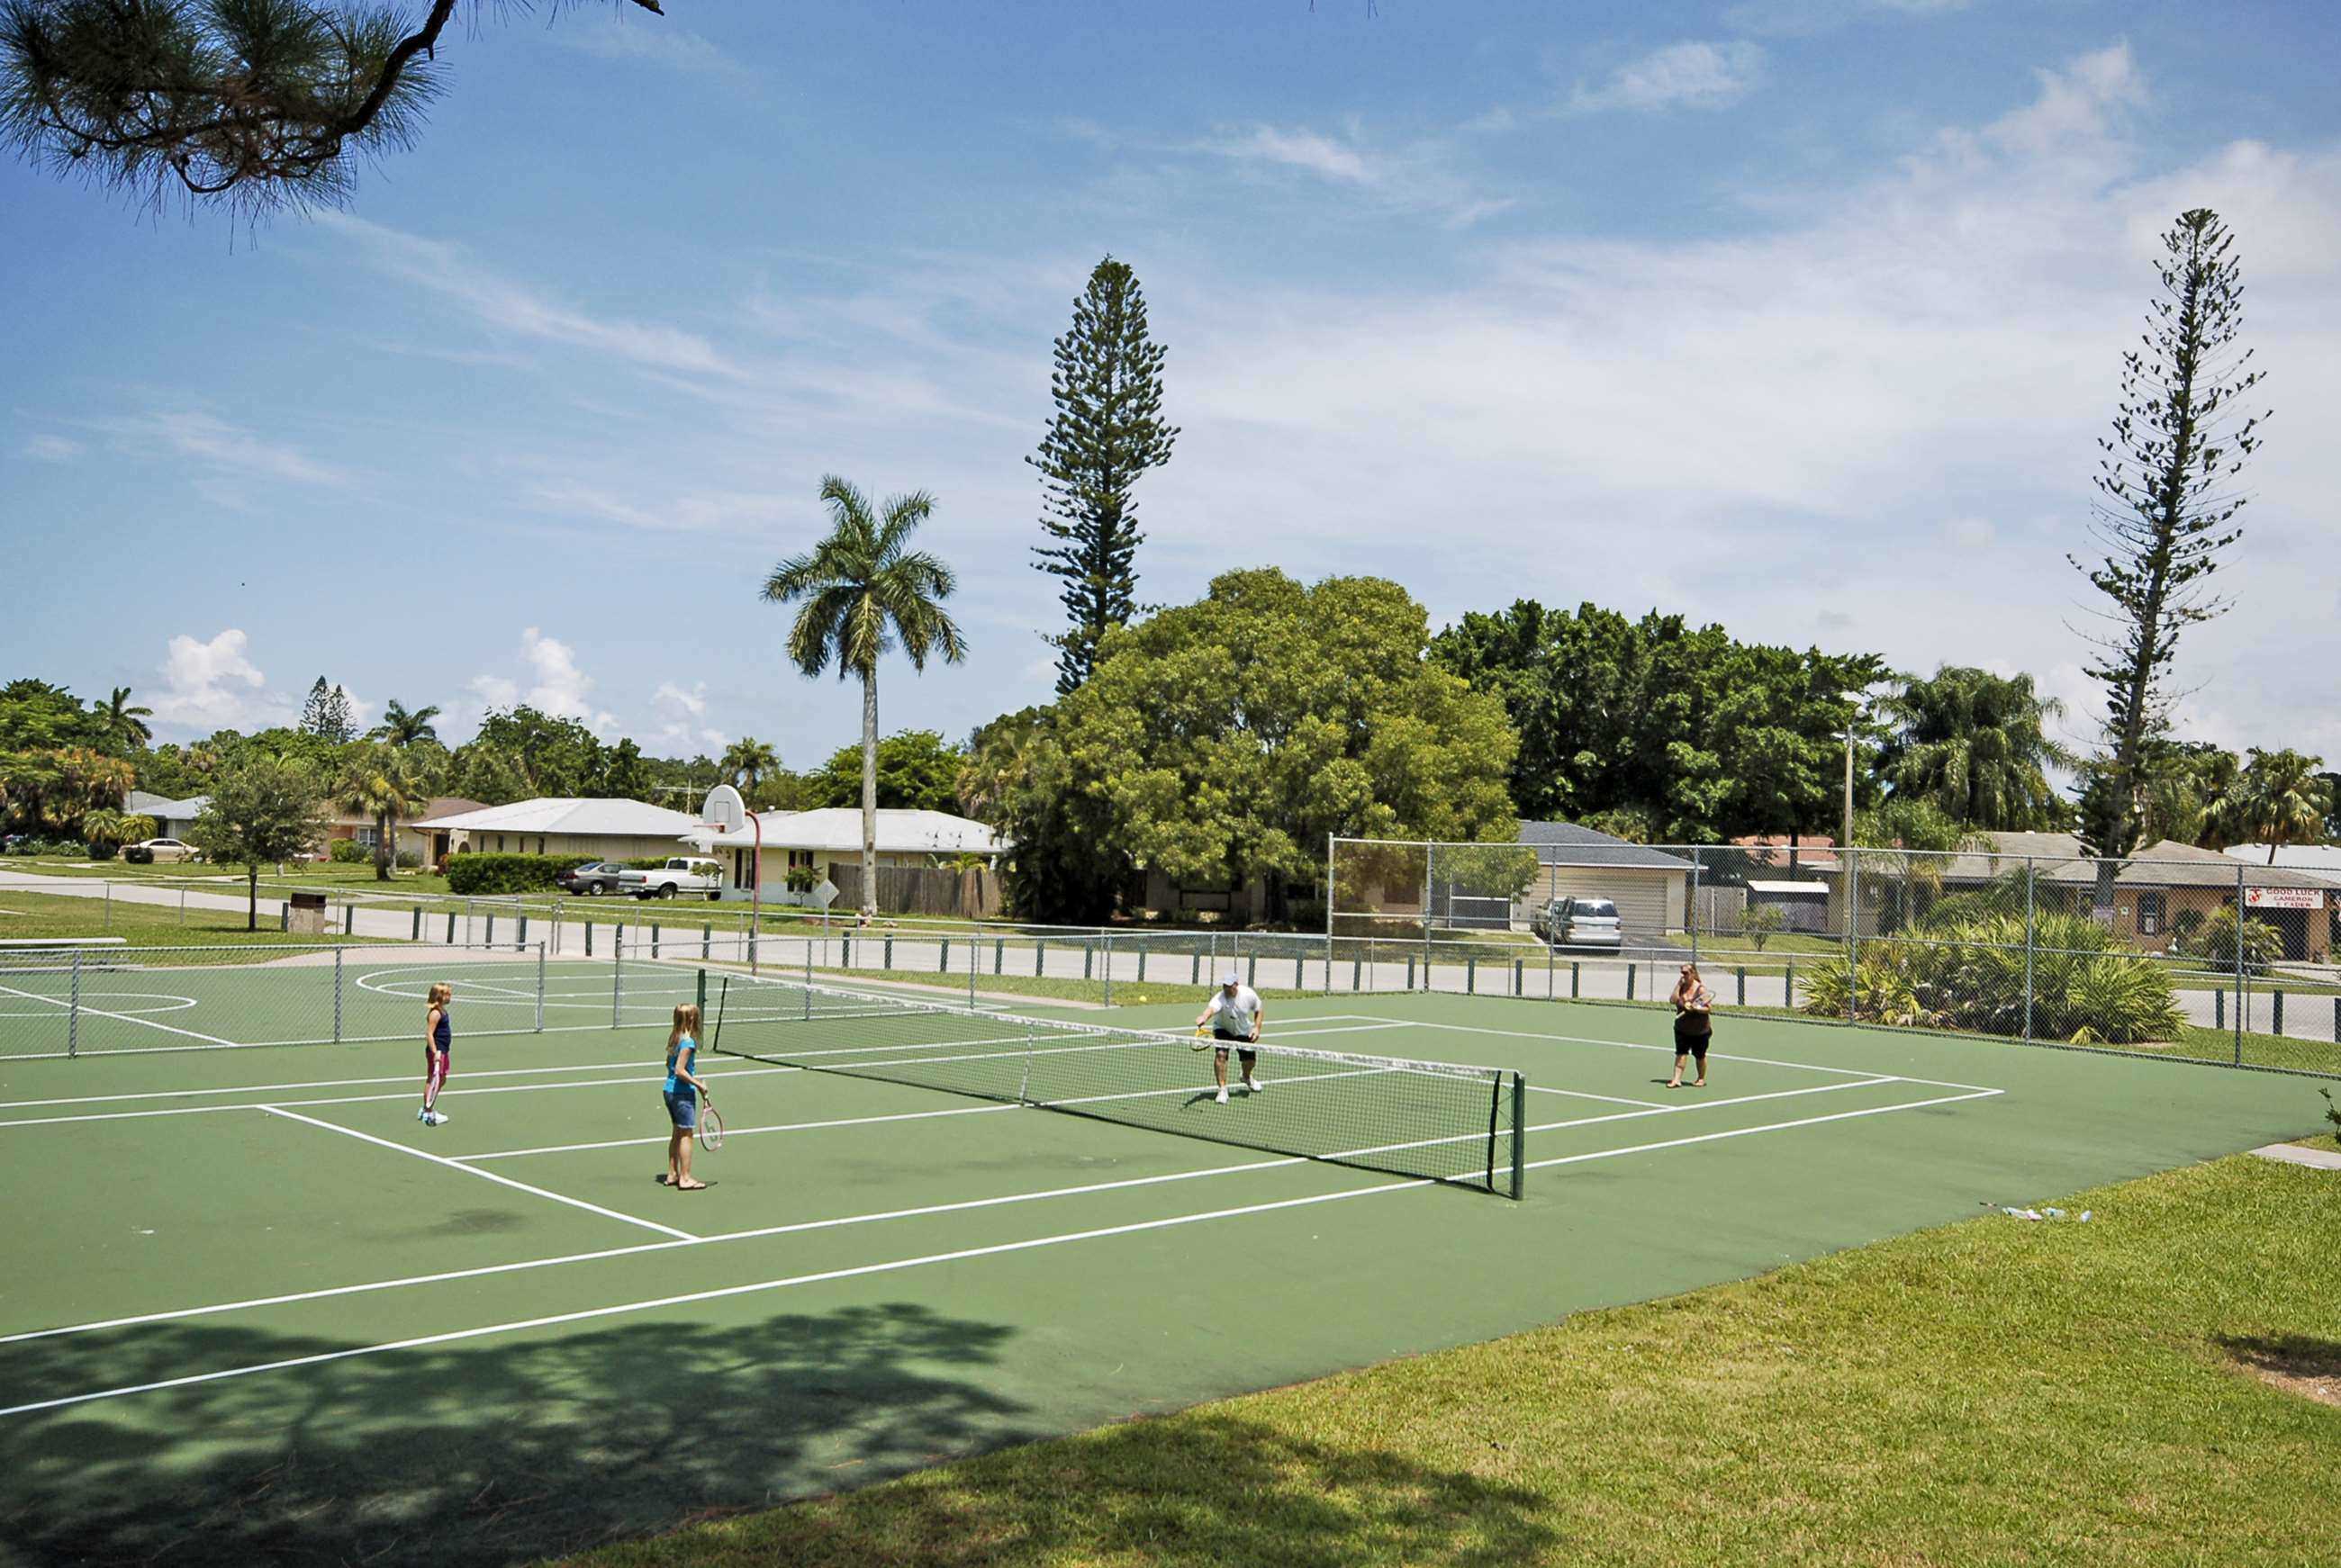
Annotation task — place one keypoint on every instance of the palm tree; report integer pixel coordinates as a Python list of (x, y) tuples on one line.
[(402, 728), (2281, 799), (1974, 744), (123, 724), (379, 781), (746, 762), (863, 591)]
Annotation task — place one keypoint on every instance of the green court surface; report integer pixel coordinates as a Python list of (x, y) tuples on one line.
[(254, 1307)]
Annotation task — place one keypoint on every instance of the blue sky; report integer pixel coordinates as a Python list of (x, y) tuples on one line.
[(1803, 315)]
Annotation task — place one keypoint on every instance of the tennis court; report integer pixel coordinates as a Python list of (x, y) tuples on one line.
[(254, 1306)]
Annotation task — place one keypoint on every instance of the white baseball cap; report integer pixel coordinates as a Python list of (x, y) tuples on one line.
[(1231, 978)]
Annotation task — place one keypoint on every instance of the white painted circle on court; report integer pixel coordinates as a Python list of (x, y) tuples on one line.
[(106, 1002)]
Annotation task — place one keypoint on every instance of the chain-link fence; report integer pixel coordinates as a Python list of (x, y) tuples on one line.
[(2194, 954)]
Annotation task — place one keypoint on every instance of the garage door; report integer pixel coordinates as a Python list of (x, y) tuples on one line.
[(1648, 902)]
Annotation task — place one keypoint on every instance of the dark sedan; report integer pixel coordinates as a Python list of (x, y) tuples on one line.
[(593, 878)]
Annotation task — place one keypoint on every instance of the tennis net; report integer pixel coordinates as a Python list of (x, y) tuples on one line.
[(1433, 1120)]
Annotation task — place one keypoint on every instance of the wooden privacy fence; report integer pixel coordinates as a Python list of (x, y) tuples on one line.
[(922, 891)]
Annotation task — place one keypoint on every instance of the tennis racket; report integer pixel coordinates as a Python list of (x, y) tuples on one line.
[(711, 1126), (1202, 1039)]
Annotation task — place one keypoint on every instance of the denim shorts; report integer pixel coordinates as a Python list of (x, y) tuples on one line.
[(682, 1109)]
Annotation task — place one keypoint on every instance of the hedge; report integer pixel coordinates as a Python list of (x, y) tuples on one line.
[(471, 874)]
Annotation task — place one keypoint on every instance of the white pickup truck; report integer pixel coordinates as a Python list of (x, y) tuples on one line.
[(681, 873)]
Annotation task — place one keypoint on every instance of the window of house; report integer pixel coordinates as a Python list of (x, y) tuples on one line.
[(500, 841), (2150, 913), (366, 837)]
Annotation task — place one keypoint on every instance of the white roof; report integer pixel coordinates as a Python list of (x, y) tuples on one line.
[(142, 804), (839, 829), (2316, 859), (591, 819), (1791, 889)]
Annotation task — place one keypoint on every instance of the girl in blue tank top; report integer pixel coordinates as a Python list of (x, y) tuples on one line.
[(681, 1092)]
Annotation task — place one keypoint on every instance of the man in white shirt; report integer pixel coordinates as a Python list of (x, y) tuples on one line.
[(1235, 1014)]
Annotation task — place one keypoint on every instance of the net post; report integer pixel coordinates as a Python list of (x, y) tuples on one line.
[(337, 995), (808, 980), (1852, 934), (1519, 1136), (617, 976), (72, 1009), (972, 966), (699, 995), (540, 984), (1109, 968)]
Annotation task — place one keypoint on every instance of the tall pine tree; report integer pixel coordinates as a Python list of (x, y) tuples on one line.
[(1107, 431), (327, 714)]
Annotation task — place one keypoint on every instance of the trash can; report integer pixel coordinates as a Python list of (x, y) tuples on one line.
[(307, 913)]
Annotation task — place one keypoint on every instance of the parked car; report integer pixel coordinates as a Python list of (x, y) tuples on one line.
[(593, 878), (165, 850), (1580, 921), (681, 874)]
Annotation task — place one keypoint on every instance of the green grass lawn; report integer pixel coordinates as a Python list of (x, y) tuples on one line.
[(39, 915), (2140, 1390)]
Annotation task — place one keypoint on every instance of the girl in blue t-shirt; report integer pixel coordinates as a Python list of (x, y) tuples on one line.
[(683, 1090)]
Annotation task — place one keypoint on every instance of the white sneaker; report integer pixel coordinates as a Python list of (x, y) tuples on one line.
[(1252, 1088), (1220, 1098), (438, 1119), (422, 1117)]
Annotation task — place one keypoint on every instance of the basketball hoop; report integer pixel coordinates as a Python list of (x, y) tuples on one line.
[(723, 815)]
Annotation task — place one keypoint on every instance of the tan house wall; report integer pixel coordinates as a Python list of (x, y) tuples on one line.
[(583, 846)]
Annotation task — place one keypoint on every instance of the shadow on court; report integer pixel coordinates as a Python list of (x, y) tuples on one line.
[(498, 1452)]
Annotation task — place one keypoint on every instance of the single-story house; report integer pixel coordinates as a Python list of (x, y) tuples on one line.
[(1650, 887), (826, 842), (408, 838), (2154, 891), (602, 830), (172, 819)]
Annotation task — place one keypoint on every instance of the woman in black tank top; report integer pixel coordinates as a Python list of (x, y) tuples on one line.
[(1694, 1026)]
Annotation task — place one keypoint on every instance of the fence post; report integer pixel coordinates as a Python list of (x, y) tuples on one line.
[(72, 1009), (1519, 976), (1109, 969), (337, 995), (1576, 977), (540, 987), (1088, 961), (589, 936), (2336, 1020), (451, 927), (1741, 972), (1789, 987), (413, 936), (2031, 942), (1630, 968), (706, 941), (1252, 972), (349, 919), (1470, 975), (1852, 934), (998, 955), (2276, 1012), (886, 951), (943, 964), (1409, 971), (1141, 964), (1693, 921), (109, 906), (520, 942), (492, 928), (2240, 997), (2219, 1007), (617, 976)]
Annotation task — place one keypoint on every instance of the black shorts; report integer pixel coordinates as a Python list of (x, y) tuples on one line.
[(1692, 1044), (1245, 1050)]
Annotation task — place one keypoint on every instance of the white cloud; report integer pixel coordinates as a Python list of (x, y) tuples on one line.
[(640, 41), (553, 684), (1419, 176), (51, 448), (214, 685), (679, 712), (1306, 150), (452, 272), (216, 452), (1970, 532), (1688, 76)]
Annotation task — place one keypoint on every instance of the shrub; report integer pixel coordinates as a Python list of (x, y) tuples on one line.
[(800, 878), (642, 863), (138, 855), (409, 859), (473, 874), (1970, 973), (1759, 921), (347, 852), (2214, 942), (2186, 923)]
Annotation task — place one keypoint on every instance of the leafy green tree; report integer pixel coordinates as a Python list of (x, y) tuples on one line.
[(380, 780), (917, 770), (36, 716), (2166, 512), (994, 761), (624, 775), (1975, 746), (1680, 734), (262, 812), (123, 724), (252, 105), (402, 727), (1107, 431), (2191, 795), (1226, 739), (522, 752), (2281, 799), (861, 594), (104, 830)]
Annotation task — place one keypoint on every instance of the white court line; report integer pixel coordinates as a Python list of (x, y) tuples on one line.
[(763, 1232), (736, 1133), (311, 1084), (119, 1018), (1583, 1095), (896, 1266), (1718, 1055), (484, 1176), (1775, 1126)]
